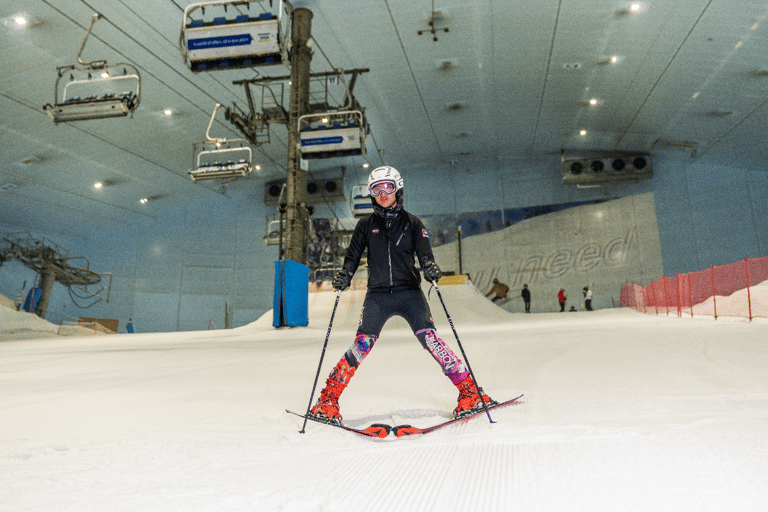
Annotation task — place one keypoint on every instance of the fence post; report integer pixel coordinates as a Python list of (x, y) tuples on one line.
[(679, 304), (714, 292), (666, 293), (690, 292), (655, 302), (749, 298)]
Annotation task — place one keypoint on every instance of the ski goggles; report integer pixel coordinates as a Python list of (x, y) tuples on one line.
[(387, 187)]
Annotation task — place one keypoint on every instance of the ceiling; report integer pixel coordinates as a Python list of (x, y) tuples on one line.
[(508, 80)]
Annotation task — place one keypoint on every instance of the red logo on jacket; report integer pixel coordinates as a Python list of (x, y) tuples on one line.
[(424, 233)]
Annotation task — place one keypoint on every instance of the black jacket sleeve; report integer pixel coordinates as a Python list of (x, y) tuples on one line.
[(421, 243), (357, 246)]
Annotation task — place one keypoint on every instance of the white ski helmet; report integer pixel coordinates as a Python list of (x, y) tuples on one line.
[(385, 173)]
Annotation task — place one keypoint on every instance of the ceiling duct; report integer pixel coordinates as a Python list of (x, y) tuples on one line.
[(624, 167), (319, 192)]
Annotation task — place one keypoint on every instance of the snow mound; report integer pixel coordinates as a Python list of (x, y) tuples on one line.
[(21, 325)]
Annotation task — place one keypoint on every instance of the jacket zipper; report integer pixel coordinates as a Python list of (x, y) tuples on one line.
[(389, 257), (401, 235)]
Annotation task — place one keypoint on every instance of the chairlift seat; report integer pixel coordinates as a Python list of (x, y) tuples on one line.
[(241, 42), (342, 135), (220, 158), (86, 98)]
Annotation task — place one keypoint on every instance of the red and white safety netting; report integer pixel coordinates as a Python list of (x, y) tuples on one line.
[(739, 289)]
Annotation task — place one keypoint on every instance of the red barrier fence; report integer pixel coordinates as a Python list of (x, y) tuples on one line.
[(738, 289)]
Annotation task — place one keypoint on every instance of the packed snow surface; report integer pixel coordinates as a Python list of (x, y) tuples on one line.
[(622, 411)]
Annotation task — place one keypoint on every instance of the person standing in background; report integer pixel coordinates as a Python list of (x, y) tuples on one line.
[(587, 298), (526, 294), (561, 298)]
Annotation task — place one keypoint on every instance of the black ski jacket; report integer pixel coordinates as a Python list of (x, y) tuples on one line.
[(391, 251)]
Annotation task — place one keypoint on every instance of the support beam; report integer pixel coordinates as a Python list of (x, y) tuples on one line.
[(47, 278), (297, 222)]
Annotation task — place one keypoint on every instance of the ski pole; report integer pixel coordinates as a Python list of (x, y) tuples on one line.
[(322, 355), (471, 373)]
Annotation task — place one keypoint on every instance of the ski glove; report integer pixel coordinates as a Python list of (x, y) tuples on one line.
[(431, 271), (342, 280)]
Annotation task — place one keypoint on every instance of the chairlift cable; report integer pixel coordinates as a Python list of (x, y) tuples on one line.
[(147, 73)]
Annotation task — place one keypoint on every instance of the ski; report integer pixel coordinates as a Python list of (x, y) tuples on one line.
[(376, 430), (408, 430)]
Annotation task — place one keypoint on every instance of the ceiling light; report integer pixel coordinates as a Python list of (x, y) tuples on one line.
[(365, 166), (610, 59), (258, 167), (20, 21), (143, 200), (583, 133), (98, 185), (104, 75), (636, 7), (593, 101), (168, 112)]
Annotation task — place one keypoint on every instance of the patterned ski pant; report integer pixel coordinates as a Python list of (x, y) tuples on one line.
[(413, 307)]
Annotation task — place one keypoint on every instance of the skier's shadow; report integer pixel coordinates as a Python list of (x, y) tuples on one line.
[(402, 414)]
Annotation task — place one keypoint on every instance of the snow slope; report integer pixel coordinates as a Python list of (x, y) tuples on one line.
[(622, 411)]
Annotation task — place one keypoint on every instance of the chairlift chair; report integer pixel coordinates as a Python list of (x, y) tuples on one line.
[(360, 203), (218, 42), (96, 89), (272, 229), (332, 134), (217, 158)]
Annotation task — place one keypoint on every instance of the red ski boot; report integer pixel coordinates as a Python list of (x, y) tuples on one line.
[(327, 406), (469, 399)]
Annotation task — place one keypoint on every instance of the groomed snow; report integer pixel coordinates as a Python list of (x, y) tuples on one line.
[(622, 411)]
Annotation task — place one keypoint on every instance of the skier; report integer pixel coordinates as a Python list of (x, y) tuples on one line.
[(392, 237), (500, 289), (587, 298)]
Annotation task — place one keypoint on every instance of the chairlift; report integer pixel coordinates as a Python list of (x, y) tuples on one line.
[(217, 42), (360, 201), (333, 134), (95, 90), (217, 158), (272, 230)]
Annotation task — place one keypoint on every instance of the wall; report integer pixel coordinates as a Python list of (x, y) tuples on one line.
[(177, 273)]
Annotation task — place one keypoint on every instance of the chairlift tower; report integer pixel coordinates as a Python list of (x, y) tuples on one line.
[(297, 215), (53, 265)]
